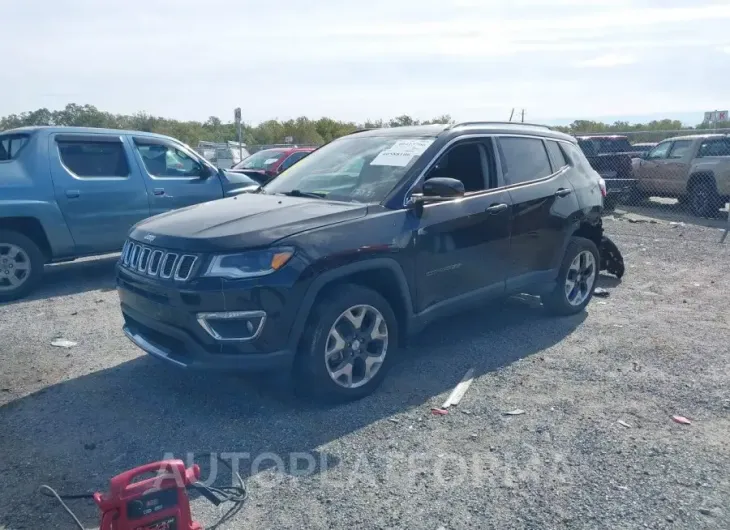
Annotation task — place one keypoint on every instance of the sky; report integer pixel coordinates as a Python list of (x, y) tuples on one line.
[(368, 59)]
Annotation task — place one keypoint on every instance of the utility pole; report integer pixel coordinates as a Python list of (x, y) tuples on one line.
[(237, 118), (523, 115), (511, 114)]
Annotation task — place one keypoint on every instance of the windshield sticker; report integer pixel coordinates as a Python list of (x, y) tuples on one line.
[(270, 161), (401, 153)]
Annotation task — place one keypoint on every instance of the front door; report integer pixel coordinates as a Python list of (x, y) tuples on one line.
[(543, 200), (174, 176), (462, 246), (99, 194), (676, 169), (650, 170)]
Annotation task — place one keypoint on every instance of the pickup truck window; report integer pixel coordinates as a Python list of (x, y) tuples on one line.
[(715, 148), (167, 161), (11, 144), (680, 149), (660, 151), (89, 159)]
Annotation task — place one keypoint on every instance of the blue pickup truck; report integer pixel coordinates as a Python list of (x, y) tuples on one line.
[(68, 192)]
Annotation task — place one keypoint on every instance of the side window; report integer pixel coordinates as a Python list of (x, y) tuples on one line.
[(165, 160), (295, 157), (680, 149), (715, 148), (524, 159), (556, 155), (660, 151), (11, 145), (462, 162), (90, 159)]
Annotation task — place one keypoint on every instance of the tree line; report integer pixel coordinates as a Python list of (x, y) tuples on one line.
[(302, 130)]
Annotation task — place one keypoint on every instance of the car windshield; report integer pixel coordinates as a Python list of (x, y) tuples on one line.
[(354, 168), (261, 160)]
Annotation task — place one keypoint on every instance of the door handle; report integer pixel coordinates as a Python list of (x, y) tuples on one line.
[(563, 192), (73, 194), (496, 208), (159, 191)]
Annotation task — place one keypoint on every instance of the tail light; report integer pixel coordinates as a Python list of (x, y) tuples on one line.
[(602, 185)]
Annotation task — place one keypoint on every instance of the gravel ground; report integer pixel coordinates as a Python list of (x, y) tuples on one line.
[(657, 347)]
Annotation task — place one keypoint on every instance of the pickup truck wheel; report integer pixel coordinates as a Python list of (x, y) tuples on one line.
[(576, 280), (348, 346), (704, 200), (21, 265)]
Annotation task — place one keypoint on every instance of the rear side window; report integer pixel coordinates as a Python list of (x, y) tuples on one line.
[(10, 146), (715, 148), (91, 159), (523, 159), (556, 154)]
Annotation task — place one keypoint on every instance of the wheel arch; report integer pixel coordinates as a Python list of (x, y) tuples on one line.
[(702, 175), (383, 275), (32, 229)]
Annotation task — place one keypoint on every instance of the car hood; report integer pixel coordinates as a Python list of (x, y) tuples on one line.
[(245, 221)]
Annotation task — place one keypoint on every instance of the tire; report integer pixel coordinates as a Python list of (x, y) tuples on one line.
[(312, 371), (611, 258), (25, 252), (704, 200), (636, 197), (609, 203), (558, 302)]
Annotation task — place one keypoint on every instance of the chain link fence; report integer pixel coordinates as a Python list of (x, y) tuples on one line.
[(678, 177)]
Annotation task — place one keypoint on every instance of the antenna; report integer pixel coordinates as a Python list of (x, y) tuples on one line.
[(523, 115)]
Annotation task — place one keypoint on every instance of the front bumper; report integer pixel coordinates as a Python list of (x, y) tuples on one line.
[(161, 318)]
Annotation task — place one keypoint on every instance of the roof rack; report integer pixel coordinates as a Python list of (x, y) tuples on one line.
[(463, 123)]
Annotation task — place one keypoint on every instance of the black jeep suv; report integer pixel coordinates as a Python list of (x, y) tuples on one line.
[(330, 266)]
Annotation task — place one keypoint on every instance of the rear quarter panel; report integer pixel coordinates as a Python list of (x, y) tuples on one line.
[(26, 190)]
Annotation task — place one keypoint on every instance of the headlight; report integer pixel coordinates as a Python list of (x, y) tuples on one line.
[(249, 264)]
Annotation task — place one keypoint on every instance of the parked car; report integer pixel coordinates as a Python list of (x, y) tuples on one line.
[(328, 273), (264, 165), (695, 169), (640, 149), (68, 192), (611, 157)]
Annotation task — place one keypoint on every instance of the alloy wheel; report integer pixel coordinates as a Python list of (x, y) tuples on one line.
[(356, 346), (14, 267), (581, 277)]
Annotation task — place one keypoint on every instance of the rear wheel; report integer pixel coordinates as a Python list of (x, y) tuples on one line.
[(576, 280), (348, 346), (704, 200), (21, 265)]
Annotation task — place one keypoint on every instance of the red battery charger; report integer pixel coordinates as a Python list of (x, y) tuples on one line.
[(157, 503)]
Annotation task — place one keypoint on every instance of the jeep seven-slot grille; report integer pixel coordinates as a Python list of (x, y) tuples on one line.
[(157, 262)]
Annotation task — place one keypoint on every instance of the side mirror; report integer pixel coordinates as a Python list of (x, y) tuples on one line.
[(443, 187)]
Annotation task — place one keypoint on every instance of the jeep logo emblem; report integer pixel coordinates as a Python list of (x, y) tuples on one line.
[(149, 237)]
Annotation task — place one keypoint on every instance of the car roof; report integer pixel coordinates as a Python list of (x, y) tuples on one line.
[(83, 130), (602, 137), (475, 127), (696, 136)]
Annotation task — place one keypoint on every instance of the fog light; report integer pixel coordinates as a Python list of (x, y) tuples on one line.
[(233, 325)]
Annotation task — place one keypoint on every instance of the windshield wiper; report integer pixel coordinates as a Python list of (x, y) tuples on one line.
[(300, 193)]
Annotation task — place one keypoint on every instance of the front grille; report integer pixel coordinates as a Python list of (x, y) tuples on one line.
[(157, 262)]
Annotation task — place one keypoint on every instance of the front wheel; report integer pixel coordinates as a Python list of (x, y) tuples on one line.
[(21, 265), (576, 280), (348, 345)]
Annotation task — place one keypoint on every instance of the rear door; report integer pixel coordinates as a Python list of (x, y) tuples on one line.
[(175, 177), (101, 197), (676, 169), (543, 202)]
